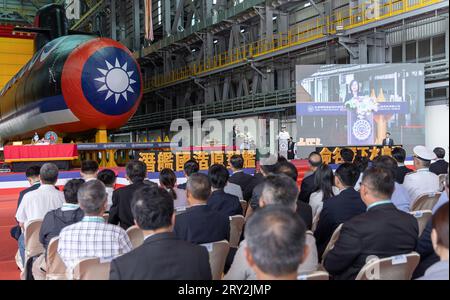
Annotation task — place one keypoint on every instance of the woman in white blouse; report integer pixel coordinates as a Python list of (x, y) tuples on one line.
[(168, 181), (324, 189)]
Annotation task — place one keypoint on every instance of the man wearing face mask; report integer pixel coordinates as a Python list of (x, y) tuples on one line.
[(307, 188)]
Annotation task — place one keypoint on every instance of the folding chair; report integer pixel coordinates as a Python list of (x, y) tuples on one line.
[(56, 269), (332, 241), (91, 269), (218, 252), (399, 267), (442, 178), (33, 246), (106, 217), (236, 225), (422, 217), (316, 275), (425, 201), (244, 206), (136, 236)]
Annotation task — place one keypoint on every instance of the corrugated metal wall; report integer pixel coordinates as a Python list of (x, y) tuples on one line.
[(418, 30)]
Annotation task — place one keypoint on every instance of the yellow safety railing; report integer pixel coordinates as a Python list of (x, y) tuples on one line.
[(297, 35)]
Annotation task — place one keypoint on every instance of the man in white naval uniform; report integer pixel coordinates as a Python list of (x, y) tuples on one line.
[(422, 181), (283, 138)]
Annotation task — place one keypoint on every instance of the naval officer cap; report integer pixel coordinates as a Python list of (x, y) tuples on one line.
[(423, 153)]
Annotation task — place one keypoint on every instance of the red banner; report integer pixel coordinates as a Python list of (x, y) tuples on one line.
[(40, 153)]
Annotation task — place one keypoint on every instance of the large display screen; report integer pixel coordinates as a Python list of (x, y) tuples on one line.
[(355, 105)]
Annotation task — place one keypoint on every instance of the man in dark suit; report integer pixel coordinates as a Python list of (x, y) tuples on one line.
[(190, 167), (382, 231), (120, 211), (239, 177), (340, 208), (440, 166), (400, 155), (291, 149), (387, 141), (220, 201), (32, 175), (162, 256), (200, 224), (307, 187)]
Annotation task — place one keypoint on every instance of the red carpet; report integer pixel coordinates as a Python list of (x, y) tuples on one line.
[(8, 246)]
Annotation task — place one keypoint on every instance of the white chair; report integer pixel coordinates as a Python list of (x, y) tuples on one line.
[(56, 269), (315, 275), (136, 236), (106, 217), (442, 178), (91, 269), (244, 206), (33, 246), (332, 241), (218, 252), (315, 222), (236, 225), (422, 217), (399, 267), (425, 201)]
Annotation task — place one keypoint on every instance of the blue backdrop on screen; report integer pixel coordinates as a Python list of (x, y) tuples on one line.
[(339, 105)]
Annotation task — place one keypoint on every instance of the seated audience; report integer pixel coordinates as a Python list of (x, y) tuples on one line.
[(347, 155), (400, 197), (278, 190), (220, 201), (36, 204), (439, 238), (382, 231), (324, 189), (399, 154), (168, 181), (257, 185), (120, 211), (440, 166), (190, 167), (275, 244), (362, 162), (303, 208), (89, 170), (92, 237), (108, 177), (422, 181), (200, 224), (32, 175), (340, 208), (307, 187), (162, 256), (239, 177)]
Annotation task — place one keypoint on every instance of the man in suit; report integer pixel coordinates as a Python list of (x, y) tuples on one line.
[(307, 187), (120, 211), (162, 256), (382, 231), (347, 155), (400, 155), (89, 170), (340, 208), (32, 175), (440, 166), (291, 149), (239, 177), (200, 224), (220, 201), (387, 141), (190, 167)]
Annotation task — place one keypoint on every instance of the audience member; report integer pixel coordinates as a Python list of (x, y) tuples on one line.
[(200, 224), (278, 190), (440, 166), (36, 204), (220, 201), (307, 187), (275, 244), (89, 170), (340, 208), (422, 181), (108, 177), (347, 155), (303, 208), (190, 167), (400, 197), (439, 238), (362, 163), (399, 154), (162, 256), (365, 235), (92, 237), (32, 175), (120, 211), (239, 177), (168, 181), (324, 189)]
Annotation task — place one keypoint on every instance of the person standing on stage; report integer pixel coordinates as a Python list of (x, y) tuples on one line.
[(35, 138), (291, 149), (388, 141), (283, 138)]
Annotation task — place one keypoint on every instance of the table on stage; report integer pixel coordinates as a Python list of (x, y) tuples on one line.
[(21, 157)]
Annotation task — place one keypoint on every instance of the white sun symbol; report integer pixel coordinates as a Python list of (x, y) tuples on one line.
[(116, 80)]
